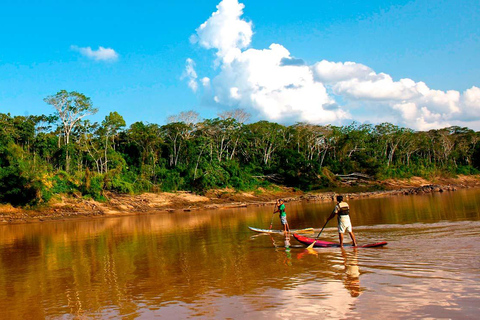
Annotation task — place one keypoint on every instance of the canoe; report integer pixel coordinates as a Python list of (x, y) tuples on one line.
[(327, 244), (278, 231)]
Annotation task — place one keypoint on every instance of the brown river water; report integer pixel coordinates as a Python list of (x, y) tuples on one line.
[(208, 264)]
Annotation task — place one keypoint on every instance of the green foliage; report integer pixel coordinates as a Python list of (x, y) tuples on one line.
[(95, 188), (19, 184), (295, 171), (41, 156), (170, 180), (63, 183), (16, 188), (240, 178), (466, 170), (121, 186), (327, 179), (215, 176)]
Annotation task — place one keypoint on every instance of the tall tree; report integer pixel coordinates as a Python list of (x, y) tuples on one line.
[(70, 107), (111, 125), (264, 139), (147, 138), (240, 115)]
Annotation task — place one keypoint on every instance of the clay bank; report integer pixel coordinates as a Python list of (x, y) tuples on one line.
[(68, 207)]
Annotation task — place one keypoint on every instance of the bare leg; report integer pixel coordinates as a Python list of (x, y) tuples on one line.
[(354, 242), (340, 236)]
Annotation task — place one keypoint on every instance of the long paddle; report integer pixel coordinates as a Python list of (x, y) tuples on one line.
[(271, 222), (313, 243)]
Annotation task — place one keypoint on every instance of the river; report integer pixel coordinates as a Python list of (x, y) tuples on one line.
[(208, 264)]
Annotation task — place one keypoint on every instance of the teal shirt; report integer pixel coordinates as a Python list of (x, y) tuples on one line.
[(281, 208)]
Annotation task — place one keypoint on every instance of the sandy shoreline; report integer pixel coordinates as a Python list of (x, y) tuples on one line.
[(123, 205)]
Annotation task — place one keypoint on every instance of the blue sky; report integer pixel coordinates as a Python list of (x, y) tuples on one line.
[(431, 42)]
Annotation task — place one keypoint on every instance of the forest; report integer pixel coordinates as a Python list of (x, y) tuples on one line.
[(65, 153)]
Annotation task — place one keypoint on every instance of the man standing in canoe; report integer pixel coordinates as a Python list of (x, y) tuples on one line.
[(283, 214), (342, 210)]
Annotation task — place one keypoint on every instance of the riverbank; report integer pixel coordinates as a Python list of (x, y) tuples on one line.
[(67, 207)]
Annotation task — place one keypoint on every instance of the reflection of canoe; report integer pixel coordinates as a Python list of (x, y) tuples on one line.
[(326, 244), (278, 231)]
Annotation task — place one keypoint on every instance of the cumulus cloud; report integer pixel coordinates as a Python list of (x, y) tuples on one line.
[(416, 104), (225, 31), (258, 79), (101, 54), (471, 99), (330, 72), (284, 88), (269, 81)]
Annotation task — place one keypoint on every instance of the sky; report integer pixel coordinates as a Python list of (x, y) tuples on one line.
[(412, 63)]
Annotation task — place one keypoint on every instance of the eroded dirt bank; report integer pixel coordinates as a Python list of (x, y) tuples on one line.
[(72, 207)]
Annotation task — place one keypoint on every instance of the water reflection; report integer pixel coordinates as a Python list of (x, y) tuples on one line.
[(209, 264), (288, 254), (349, 274), (283, 248), (351, 278)]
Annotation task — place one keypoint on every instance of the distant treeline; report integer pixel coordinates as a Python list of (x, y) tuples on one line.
[(41, 156)]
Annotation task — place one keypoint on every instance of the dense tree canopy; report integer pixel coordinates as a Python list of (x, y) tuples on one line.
[(66, 153)]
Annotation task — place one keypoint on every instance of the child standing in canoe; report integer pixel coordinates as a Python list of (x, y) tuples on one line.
[(283, 214), (342, 210)]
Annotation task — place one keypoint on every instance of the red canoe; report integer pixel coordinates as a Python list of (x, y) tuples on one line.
[(326, 244)]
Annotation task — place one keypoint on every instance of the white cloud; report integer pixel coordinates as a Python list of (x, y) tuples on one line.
[(225, 31), (420, 118), (234, 93), (471, 100), (328, 72), (102, 54), (205, 81), (283, 88), (259, 79), (191, 74), (377, 87), (408, 110), (261, 82)]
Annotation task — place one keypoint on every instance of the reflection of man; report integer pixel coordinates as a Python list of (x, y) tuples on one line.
[(287, 243), (288, 254), (351, 279)]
